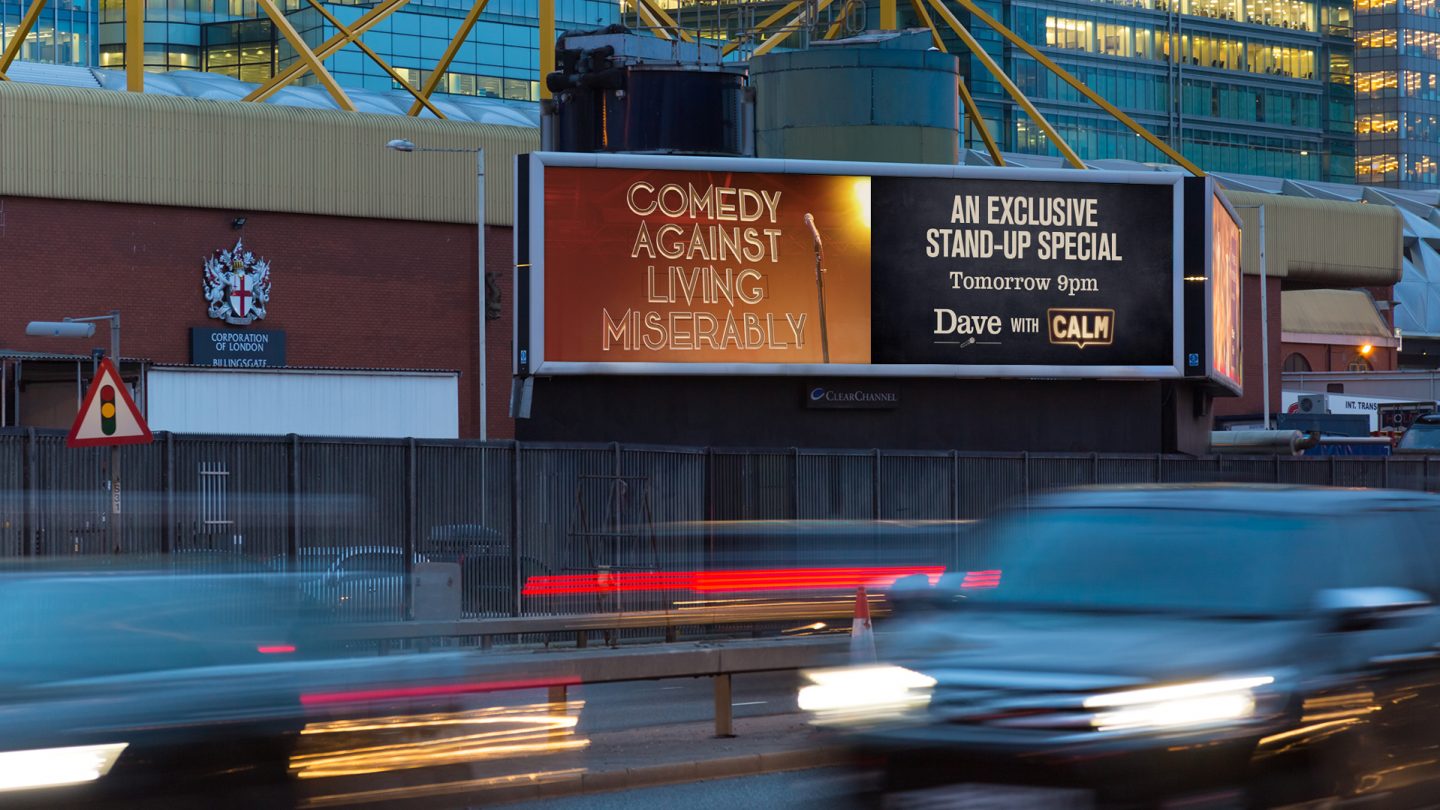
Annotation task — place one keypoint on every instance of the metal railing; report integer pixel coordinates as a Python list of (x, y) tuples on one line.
[(510, 512)]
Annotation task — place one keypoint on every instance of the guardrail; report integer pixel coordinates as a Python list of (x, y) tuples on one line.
[(558, 671), (581, 626)]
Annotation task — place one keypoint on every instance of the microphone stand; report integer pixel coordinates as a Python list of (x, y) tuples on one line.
[(820, 290)]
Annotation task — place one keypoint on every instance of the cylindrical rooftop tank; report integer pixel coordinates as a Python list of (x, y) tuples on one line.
[(883, 97)]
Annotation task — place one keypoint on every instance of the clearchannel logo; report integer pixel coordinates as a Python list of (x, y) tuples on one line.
[(822, 397)]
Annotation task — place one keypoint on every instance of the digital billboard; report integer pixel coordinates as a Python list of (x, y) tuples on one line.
[(1226, 346), (630, 264)]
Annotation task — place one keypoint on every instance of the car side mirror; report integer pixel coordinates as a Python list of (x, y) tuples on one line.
[(1353, 609)]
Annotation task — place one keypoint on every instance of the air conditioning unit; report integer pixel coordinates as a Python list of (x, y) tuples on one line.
[(1313, 403)]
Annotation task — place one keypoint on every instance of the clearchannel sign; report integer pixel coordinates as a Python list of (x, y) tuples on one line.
[(688, 265)]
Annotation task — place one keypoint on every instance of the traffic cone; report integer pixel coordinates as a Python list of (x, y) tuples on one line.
[(862, 633)]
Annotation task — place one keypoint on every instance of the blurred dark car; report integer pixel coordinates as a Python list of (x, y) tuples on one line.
[(361, 583), (1166, 646), (485, 559), (1423, 436), (141, 686)]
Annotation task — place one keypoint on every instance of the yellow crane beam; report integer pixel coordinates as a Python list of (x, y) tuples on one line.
[(17, 37), (1065, 76), (367, 21), (360, 43), (438, 72), (1005, 82)]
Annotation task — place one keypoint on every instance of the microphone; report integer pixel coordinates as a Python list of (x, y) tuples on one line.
[(810, 223)]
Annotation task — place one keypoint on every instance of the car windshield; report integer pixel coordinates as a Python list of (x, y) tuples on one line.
[(1159, 560), (1421, 436)]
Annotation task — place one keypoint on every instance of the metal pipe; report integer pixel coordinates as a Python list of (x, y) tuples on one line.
[(484, 307), (1250, 441), (1264, 321)]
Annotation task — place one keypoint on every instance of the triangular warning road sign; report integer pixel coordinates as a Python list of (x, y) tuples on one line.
[(109, 415)]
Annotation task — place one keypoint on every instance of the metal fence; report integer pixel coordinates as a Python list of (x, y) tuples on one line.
[(510, 512)]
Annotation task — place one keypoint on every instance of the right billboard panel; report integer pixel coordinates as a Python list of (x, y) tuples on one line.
[(1225, 350), (1021, 273)]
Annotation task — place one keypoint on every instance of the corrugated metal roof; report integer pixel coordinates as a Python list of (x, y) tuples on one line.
[(71, 143), (1331, 312), (1325, 242)]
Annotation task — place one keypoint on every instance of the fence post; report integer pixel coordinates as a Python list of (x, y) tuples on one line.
[(167, 510), (1025, 473), (516, 575), (1332, 471), (1275, 477), (794, 484), (1384, 472), (954, 485), (292, 486), (412, 525), (875, 488), (1094, 468), (1159, 468), (32, 495)]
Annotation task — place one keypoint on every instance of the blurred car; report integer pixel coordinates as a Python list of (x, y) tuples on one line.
[(136, 686), (357, 582), (1423, 436), (1165, 646)]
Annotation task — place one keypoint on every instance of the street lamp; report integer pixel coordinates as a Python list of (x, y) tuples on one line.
[(84, 328), (79, 328), (404, 145)]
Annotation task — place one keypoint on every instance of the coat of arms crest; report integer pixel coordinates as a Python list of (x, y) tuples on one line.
[(237, 285)]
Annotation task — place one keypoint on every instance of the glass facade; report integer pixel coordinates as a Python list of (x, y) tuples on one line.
[(64, 34), (1249, 86), (233, 37), (1397, 93)]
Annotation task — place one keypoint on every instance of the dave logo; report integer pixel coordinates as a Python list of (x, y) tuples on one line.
[(1081, 327)]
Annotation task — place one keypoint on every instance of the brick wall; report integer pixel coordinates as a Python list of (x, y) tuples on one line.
[(348, 292)]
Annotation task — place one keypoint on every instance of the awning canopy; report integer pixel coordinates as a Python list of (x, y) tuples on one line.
[(1331, 314)]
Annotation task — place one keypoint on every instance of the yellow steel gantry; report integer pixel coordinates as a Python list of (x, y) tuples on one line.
[(660, 22)]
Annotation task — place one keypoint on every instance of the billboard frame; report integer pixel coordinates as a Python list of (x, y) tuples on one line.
[(529, 352)]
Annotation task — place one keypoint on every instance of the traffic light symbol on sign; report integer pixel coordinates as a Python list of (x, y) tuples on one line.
[(107, 410)]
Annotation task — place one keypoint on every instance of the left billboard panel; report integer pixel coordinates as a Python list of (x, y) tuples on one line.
[(663, 266)]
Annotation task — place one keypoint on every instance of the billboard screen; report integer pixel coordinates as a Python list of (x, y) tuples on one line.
[(705, 267), (1226, 355), (630, 264), (1020, 272)]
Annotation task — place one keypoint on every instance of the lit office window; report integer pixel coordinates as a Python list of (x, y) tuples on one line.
[(1115, 40), (1276, 60), (1376, 124), (1375, 40), (1341, 69), (1423, 169), (1062, 32), (1215, 9), (1421, 43), (1373, 6), (1376, 83), (1377, 168), (1292, 14)]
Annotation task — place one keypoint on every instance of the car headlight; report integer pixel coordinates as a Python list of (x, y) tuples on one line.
[(1186, 704), (53, 767), (859, 695)]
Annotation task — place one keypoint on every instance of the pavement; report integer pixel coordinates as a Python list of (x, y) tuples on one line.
[(628, 736)]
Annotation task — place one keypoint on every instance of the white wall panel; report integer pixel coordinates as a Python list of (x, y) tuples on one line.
[(421, 405)]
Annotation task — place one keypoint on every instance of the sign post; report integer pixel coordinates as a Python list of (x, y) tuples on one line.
[(108, 418)]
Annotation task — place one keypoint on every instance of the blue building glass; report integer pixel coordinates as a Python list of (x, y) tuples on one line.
[(1397, 93), (64, 34)]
